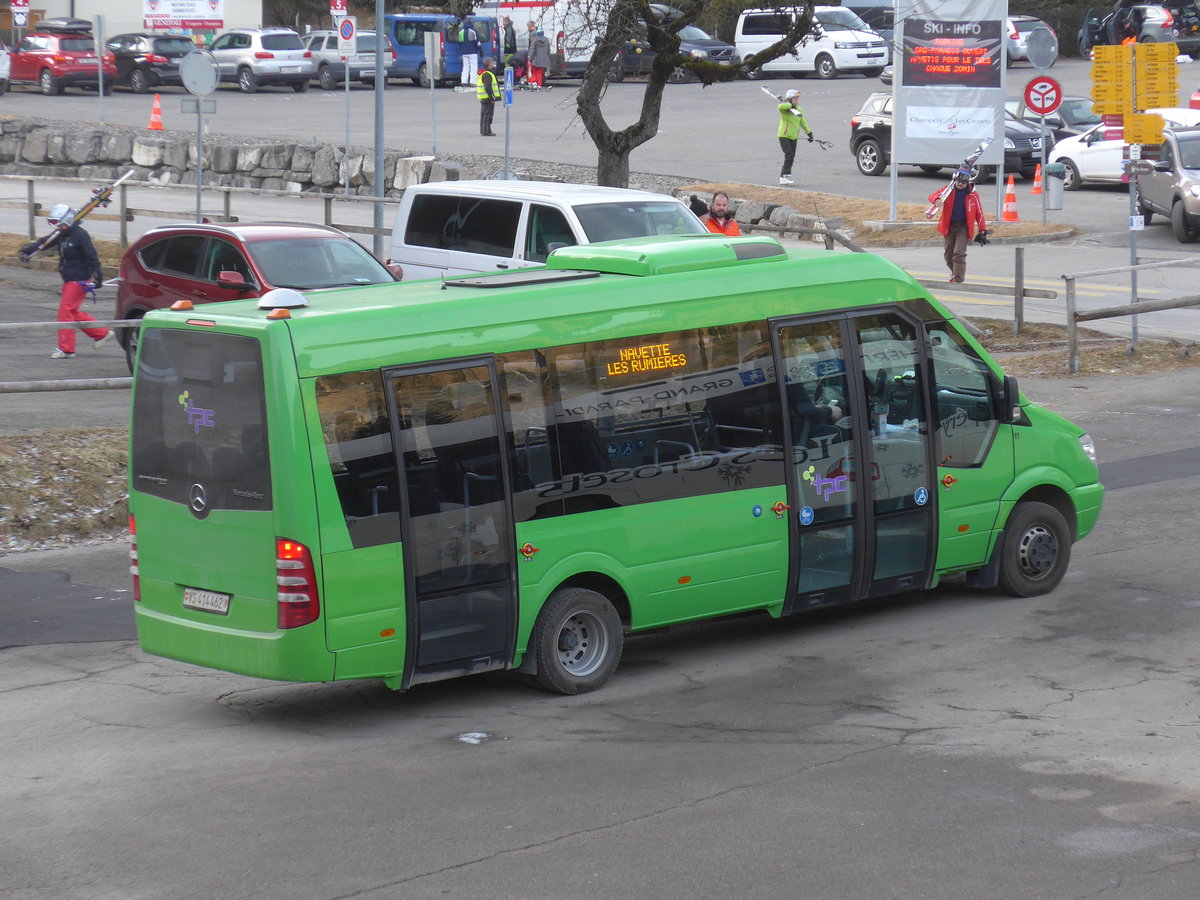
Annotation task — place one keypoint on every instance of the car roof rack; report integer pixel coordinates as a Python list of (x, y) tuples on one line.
[(63, 25)]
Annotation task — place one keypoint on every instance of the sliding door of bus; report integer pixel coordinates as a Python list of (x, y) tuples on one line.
[(859, 488), (455, 521)]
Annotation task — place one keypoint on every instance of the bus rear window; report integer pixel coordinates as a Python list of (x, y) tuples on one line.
[(199, 421)]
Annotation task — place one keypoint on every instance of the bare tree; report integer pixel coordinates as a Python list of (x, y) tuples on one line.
[(616, 22)]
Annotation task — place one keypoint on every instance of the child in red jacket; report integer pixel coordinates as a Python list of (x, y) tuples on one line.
[(962, 219)]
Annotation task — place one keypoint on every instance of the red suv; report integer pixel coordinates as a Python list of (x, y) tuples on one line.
[(60, 53), (210, 263)]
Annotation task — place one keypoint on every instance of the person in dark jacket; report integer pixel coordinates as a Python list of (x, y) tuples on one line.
[(79, 266), (509, 50)]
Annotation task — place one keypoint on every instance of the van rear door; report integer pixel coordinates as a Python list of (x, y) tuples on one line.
[(456, 234)]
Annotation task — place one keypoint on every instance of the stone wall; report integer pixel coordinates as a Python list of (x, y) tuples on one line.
[(65, 149)]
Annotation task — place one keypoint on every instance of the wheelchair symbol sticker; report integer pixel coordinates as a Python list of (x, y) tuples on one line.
[(627, 449), (757, 511), (807, 515), (921, 496)]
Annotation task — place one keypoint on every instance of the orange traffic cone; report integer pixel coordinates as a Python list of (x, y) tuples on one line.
[(156, 115), (1010, 203), (1037, 180)]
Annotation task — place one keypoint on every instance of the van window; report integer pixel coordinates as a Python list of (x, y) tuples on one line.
[(200, 421), (639, 218), (840, 19), (766, 23), (470, 224), (547, 226), (967, 419)]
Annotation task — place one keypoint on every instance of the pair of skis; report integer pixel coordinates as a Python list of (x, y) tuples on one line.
[(101, 197), (824, 145), (967, 163)]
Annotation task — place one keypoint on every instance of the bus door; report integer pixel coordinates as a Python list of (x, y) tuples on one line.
[(456, 524), (861, 500)]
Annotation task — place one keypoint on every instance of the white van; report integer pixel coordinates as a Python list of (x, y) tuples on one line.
[(461, 227), (839, 42)]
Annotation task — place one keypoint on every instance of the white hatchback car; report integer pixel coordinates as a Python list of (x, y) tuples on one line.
[(1096, 155)]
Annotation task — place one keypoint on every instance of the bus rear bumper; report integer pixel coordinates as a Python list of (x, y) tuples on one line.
[(294, 655)]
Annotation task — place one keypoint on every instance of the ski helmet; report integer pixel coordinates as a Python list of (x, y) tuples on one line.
[(788, 95), (60, 212), (965, 172)]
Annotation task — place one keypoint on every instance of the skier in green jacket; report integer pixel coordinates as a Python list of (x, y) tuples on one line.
[(791, 120)]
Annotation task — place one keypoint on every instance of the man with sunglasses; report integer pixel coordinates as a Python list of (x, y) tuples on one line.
[(962, 219)]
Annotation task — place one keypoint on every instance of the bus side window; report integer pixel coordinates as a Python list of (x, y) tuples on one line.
[(358, 440), (966, 414)]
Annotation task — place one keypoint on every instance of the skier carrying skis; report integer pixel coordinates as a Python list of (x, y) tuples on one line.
[(791, 120), (962, 218), (79, 266)]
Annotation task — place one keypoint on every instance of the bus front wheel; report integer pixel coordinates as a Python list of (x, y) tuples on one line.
[(576, 641), (1037, 550)]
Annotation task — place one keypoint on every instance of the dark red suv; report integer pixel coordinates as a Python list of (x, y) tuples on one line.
[(58, 53), (211, 263)]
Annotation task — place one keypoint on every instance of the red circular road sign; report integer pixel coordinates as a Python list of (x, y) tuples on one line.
[(1043, 95)]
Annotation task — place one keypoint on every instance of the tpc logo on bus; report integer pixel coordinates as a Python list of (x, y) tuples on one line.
[(196, 416)]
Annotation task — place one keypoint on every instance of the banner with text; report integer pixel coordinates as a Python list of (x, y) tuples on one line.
[(163, 14)]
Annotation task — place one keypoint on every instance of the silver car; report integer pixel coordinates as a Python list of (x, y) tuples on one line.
[(331, 65), (252, 57), (1173, 189)]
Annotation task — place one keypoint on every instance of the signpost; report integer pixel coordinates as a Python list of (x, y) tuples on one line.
[(1043, 95), (199, 72), (347, 35)]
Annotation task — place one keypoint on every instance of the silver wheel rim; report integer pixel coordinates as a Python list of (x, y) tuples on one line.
[(867, 157), (582, 643), (1037, 552)]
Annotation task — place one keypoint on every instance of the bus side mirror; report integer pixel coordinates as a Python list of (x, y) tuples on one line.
[(1010, 400)]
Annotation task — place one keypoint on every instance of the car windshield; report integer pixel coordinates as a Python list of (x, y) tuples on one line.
[(282, 42), (1189, 152), (841, 20), (692, 33), (638, 218), (173, 45), (310, 263), (1078, 112)]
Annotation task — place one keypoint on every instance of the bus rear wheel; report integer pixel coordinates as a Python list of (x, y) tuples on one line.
[(577, 641), (1037, 550)]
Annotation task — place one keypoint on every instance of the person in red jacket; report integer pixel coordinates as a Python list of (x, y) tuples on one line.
[(962, 219), (716, 216)]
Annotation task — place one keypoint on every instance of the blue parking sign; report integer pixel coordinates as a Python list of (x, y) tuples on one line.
[(508, 85)]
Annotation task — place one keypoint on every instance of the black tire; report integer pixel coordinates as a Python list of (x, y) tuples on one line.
[(755, 74), (930, 170), (139, 83), (1037, 550), (576, 642), (129, 340), (680, 76), (300, 87), (108, 88), (1183, 225), (247, 82), (1073, 181), (49, 84), (826, 68), (423, 76), (3, 87), (873, 73), (869, 157), (326, 79), (985, 174), (1085, 49), (616, 73), (1146, 211)]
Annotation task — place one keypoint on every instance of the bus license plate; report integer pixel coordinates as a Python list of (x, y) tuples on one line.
[(209, 601)]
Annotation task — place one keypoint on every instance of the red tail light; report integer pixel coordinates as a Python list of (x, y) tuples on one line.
[(263, 54), (441, 42), (1014, 34), (156, 59), (560, 42), (308, 54), (296, 584), (1170, 18), (133, 561)]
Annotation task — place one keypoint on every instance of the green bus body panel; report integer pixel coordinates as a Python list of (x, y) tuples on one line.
[(675, 560), (647, 550)]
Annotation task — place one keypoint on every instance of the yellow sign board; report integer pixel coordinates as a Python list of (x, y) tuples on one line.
[(1117, 54), (1143, 128), (1155, 99), (1165, 52), (1106, 72)]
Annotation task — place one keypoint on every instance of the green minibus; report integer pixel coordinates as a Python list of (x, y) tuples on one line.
[(417, 481)]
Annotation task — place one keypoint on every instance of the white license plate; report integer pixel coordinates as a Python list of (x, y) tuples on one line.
[(209, 601), (289, 69)]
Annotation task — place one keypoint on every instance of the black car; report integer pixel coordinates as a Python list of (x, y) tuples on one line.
[(1074, 115), (636, 57), (871, 142), (145, 61)]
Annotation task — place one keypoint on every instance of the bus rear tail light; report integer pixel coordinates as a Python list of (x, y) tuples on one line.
[(296, 584), (133, 561)]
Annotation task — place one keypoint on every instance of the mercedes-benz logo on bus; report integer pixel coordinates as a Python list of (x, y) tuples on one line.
[(198, 501)]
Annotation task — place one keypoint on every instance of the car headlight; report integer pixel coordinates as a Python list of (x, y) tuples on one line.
[(699, 54), (848, 45), (1009, 145), (1088, 445), (1194, 191)]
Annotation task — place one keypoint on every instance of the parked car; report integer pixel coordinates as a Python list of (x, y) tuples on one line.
[(5, 67), (871, 141), (460, 227), (406, 32), (839, 42), (636, 57), (58, 53), (331, 65), (1148, 22), (211, 263), (253, 57), (1074, 115), (1173, 189), (1096, 155), (1017, 31), (146, 61)]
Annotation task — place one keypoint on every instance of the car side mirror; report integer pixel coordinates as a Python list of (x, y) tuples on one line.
[(1163, 165), (234, 281)]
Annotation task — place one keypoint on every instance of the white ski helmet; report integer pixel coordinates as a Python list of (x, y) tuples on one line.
[(60, 212), (788, 95)]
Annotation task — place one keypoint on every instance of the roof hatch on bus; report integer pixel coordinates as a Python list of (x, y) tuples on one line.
[(665, 255)]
